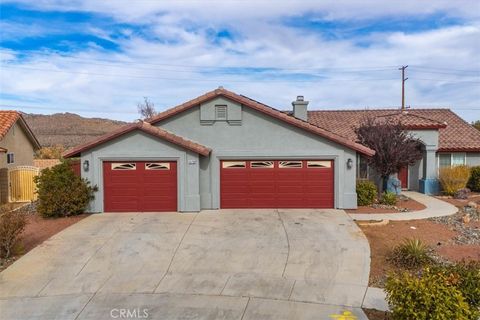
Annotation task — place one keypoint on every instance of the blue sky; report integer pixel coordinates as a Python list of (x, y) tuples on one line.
[(100, 58)]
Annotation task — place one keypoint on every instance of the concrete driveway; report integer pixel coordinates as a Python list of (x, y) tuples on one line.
[(227, 264)]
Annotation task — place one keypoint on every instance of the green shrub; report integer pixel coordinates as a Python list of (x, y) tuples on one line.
[(474, 181), (426, 296), (61, 192), (389, 198), (453, 179), (12, 224), (366, 192), (466, 276), (411, 254)]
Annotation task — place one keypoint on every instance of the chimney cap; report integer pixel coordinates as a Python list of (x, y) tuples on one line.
[(300, 98)]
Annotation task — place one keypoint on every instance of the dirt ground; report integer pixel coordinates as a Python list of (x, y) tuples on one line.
[(39, 229), (408, 203), (377, 315)]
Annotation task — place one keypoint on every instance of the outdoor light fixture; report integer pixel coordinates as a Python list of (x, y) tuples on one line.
[(86, 165), (349, 163)]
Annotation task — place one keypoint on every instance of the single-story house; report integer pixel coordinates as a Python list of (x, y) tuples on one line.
[(17, 147), (225, 150)]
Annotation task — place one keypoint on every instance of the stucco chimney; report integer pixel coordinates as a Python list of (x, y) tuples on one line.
[(300, 108)]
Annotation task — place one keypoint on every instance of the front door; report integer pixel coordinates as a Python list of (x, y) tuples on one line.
[(403, 177)]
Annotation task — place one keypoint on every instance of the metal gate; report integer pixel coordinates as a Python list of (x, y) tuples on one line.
[(21, 185)]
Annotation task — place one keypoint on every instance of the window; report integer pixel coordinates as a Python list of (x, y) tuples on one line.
[(362, 167), (233, 164), (319, 164), (124, 166), (451, 159), (10, 158), (261, 164), (221, 112), (289, 164), (157, 166)]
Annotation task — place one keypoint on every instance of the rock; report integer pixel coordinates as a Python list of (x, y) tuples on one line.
[(466, 218), (462, 193), (472, 204)]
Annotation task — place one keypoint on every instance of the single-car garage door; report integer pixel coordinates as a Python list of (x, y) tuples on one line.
[(140, 186), (277, 184)]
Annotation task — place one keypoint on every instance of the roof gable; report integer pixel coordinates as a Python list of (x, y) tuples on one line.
[(321, 131), (8, 118), (144, 127)]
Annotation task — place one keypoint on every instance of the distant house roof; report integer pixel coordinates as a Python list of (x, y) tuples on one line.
[(311, 127), (455, 134), (8, 118), (145, 127)]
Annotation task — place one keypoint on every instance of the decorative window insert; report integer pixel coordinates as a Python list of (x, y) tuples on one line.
[(319, 164), (261, 164), (221, 112), (157, 166), (124, 166), (233, 164), (290, 164), (10, 158)]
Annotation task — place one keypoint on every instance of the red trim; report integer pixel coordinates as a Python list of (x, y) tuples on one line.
[(266, 110), (145, 127), (459, 149)]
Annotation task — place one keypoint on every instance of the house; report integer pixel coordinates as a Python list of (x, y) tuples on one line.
[(224, 150), (17, 146)]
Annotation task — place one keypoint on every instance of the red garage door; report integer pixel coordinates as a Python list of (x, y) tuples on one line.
[(140, 186), (277, 184)]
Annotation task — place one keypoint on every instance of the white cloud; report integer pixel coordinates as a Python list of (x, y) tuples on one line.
[(98, 86)]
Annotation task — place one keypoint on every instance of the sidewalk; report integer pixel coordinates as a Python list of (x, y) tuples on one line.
[(434, 208)]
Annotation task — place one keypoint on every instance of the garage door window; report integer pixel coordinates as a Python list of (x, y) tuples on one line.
[(234, 164), (261, 164), (124, 166), (157, 166), (289, 164), (319, 164)]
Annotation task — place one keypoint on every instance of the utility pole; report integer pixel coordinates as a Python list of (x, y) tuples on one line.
[(403, 85)]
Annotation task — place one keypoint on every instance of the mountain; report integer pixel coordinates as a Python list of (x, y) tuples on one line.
[(68, 129)]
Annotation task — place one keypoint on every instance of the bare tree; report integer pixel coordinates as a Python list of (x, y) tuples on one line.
[(146, 108), (394, 147)]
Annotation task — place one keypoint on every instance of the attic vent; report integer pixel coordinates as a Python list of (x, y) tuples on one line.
[(221, 112)]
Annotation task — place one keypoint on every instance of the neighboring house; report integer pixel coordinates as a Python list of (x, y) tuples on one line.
[(17, 146), (224, 150)]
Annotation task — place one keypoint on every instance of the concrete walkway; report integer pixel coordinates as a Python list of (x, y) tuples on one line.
[(434, 208), (227, 264)]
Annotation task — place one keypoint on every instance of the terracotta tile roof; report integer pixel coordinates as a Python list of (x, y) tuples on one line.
[(311, 127), (454, 133), (8, 118), (145, 127)]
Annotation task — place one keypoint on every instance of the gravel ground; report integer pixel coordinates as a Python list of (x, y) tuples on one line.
[(466, 222)]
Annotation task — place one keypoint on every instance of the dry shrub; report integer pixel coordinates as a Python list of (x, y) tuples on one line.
[(453, 179), (12, 224)]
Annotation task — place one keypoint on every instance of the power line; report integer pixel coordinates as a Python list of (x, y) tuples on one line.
[(60, 54), (191, 79)]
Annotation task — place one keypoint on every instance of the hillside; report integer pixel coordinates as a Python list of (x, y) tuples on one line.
[(68, 129)]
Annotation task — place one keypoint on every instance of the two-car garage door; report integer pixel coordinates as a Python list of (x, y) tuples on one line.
[(277, 184)]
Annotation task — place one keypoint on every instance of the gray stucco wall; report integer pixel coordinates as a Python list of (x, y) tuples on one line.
[(259, 137), (141, 146), (473, 159)]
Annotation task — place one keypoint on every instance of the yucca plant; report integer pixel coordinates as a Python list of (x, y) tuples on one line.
[(411, 254)]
